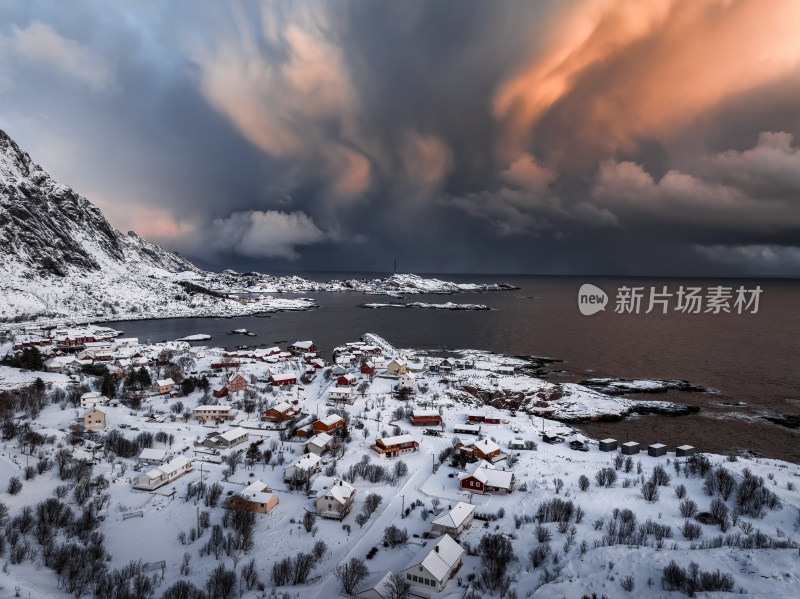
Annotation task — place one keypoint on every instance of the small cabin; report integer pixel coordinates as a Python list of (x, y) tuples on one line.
[(608, 444), (656, 450), (630, 448)]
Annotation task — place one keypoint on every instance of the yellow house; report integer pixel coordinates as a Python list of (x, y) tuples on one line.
[(95, 419), (397, 367)]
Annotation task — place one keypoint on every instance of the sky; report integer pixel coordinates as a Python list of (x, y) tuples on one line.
[(627, 137)]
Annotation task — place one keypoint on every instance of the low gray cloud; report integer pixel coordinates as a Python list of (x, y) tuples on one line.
[(254, 234)]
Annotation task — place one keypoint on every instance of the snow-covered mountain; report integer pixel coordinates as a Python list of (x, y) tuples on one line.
[(49, 229), (61, 258)]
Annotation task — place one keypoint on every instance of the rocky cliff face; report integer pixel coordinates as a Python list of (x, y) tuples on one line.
[(49, 230)]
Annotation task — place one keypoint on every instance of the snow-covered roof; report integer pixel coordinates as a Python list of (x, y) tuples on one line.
[(149, 453), (455, 517), (174, 465), (100, 409), (577, 438), (256, 492), (302, 344), (284, 377), (282, 407), (397, 439), (341, 491), (341, 391), (331, 419), (438, 556), (378, 584), (486, 446), (320, 440), (165, 382), (493, 478), (425, 413), (91, 395), (212, 408), (233, 434), (306, 461)]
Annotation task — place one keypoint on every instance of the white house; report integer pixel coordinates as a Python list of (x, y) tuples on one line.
[(347, 394), (231, 438), (154, 456), (91, 399), (407, 380), (318, 444), (434, 565), (163, 475), (455, 521), (303, 468)]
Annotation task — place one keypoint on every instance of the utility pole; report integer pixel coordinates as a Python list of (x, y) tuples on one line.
[(198, 520), (403, 508)]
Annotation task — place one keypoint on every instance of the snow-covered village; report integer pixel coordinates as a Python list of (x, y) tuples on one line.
[(374, 472)]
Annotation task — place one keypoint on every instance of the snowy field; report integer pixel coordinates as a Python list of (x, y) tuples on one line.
[(595, 550)]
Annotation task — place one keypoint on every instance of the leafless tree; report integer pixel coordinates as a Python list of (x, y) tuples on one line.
[(351, 574)]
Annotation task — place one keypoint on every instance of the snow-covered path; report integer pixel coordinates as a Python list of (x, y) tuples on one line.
[(391, 513)]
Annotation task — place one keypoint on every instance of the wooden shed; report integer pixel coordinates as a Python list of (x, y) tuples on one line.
[(684, 451)]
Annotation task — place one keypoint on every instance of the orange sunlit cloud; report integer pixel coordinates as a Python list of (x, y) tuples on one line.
[(619, 70)]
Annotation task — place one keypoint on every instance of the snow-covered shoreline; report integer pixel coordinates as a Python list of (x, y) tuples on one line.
[(426, 305)]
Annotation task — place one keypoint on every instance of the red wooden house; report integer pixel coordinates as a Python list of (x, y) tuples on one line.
[(346, 380), (425, 418), (391, 447), (484, 479), (279, 413), (283, 380), (236, 382), (328, 424), (368, 368)]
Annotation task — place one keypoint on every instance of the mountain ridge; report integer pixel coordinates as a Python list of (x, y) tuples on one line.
[(61, 258)]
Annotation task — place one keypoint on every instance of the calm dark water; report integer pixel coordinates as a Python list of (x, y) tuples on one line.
[(751, 358)]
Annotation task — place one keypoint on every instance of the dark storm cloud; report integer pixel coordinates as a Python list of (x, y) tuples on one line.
[(586, 136)]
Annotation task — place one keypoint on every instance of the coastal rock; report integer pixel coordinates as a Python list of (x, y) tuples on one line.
[(618, 386)]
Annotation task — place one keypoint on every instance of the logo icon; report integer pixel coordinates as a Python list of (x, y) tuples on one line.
[(591, 299)]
